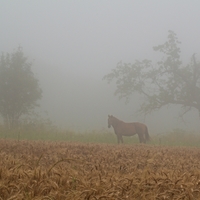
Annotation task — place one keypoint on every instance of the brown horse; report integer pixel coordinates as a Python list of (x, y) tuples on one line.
[(128, 129)]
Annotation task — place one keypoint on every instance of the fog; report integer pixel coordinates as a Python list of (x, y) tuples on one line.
[(73, 44)]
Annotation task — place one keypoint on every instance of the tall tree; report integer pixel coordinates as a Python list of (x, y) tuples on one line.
[(166, 82), (19, 89)]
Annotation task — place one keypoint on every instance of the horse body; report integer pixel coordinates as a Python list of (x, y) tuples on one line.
[(128, 129)]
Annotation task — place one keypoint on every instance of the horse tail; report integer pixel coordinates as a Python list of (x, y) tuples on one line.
[(147, 137)]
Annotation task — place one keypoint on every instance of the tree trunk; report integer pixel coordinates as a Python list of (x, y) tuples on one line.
[(11, 122)]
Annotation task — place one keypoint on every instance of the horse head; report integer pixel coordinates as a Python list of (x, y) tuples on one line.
[(110, 117)]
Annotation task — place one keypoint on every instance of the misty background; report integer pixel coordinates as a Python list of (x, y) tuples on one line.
[(73, 44)]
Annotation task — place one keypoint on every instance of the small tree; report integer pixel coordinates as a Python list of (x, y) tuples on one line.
[(19, 89), (167, 82)]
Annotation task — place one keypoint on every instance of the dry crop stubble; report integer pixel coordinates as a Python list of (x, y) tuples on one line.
[(61, 170)]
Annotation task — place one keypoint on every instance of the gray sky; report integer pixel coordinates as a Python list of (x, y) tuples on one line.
[(75, 43)]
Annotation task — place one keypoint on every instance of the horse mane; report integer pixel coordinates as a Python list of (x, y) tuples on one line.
[(116, 119)]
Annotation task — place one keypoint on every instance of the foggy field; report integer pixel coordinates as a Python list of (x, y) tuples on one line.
[(66, 67), (64, 170)]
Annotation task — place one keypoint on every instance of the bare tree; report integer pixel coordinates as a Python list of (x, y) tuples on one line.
[(166, 82)]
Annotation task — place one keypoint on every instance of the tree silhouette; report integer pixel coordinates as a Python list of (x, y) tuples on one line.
[(19, 89), (166, 82)]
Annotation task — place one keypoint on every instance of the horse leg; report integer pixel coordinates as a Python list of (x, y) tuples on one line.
[(144, 140), (121, 138), (118, 139), (140, 138)]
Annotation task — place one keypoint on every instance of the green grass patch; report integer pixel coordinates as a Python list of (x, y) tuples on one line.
[(67, 135), (176, 137)]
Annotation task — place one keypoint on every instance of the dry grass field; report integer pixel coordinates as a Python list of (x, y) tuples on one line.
[(33, 170)]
